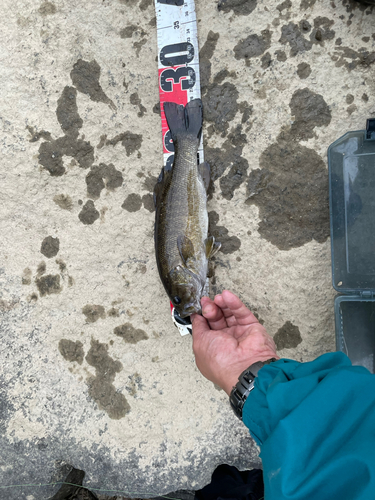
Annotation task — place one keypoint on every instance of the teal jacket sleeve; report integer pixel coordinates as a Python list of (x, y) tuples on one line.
[(315, 425)]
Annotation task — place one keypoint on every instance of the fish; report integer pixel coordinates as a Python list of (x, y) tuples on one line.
[(182, 245)]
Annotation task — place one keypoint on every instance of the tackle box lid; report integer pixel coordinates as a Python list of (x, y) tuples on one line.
[(351, 163)]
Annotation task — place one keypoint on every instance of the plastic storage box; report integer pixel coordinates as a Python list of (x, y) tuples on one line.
[(351, 162)]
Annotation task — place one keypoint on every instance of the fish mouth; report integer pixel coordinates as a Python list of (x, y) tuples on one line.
[(190, 309)]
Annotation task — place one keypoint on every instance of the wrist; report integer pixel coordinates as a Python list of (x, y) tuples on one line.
[(232, 377)]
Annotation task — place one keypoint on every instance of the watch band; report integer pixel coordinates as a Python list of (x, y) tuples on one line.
[(245, 385)]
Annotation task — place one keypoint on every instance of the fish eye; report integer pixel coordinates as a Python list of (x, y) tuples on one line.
[(177, 300)]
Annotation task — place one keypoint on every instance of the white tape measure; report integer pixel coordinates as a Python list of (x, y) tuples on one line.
[(179, 79)]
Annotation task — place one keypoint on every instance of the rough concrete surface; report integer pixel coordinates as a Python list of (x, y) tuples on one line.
[(93, 373)]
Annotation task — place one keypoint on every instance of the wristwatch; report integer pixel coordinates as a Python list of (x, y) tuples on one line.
[(245, 385)]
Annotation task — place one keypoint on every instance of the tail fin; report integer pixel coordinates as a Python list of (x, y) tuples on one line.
[(184, 120)]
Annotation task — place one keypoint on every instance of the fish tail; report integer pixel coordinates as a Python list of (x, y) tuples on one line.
[(184, 120)]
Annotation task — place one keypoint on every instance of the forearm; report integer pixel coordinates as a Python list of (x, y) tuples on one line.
[(314, 423)]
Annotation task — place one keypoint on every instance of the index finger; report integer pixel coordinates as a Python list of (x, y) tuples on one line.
[(234, 310)]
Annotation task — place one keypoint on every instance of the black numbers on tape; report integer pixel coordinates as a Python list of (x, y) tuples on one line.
[(169, 163), (176, 25), (178, 3), (169, 57), (168, 143), (175, 75)]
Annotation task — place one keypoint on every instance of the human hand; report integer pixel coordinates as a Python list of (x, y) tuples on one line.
[(227, 339)]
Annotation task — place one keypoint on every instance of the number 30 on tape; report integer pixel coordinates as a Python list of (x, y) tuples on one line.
[(178, 61)]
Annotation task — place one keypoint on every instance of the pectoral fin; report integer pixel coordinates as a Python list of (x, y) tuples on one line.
[(212, 247), (204, 170), (186, 248)]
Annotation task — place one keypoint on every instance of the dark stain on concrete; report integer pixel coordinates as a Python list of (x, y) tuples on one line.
[(136, 101), (228, 155), (152, 22), (50, 247), (287, 337), (101, 142), (291, 187), (310, 110), (130, 334), (246, 110), (67, 112), (41, 269), (351, 109), (253, 46), (71, 351), (220, 105), (145, 4), (239, 7), (350, 58), (51, 152), (35, 136), (266, 60), (149, 183), (85, 77), (284, 5), (156, 108), (229, 244), (47, 9), (307, 4), (322, 30), (101, 387), (131, 142), (291, 191), (61, 264), (129, 30), (132, 203), (64, 201), (102, 176), (349, 98), (303, 70), (148, 202), (364, 97), (93, 312), (26, 276), (113, 312), (205, 54), (138, 45), (280, 55), (88, 215), (291, 34), (49, 284)]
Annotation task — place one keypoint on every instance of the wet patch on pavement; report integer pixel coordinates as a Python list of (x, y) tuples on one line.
[(229, 244), (50, 247), (49, 284), (101, 387), (130, 334), (93, 312), (287, 337), (71, 351)]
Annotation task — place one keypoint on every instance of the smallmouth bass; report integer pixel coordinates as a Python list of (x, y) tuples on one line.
[(182, 244)]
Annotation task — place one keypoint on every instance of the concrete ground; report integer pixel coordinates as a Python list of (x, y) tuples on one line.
[(94, 375)]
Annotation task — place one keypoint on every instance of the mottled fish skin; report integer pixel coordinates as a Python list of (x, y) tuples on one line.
[(181, 215)]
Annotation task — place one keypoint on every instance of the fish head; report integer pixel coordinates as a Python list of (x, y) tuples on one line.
[(185, 290)]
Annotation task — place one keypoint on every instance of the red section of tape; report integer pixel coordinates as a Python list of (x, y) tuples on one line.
[(176, 94)]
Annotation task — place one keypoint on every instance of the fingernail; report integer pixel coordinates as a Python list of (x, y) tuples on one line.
[(207, 310)]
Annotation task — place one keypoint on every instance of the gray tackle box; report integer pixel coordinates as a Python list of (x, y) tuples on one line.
[(351, 162)]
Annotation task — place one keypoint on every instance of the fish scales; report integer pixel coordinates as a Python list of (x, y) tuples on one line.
[(181, 225)]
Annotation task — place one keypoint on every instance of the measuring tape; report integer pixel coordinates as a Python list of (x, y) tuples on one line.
[(179, 79)]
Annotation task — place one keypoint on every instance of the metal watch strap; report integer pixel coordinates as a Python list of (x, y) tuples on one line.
[(245, 385)]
